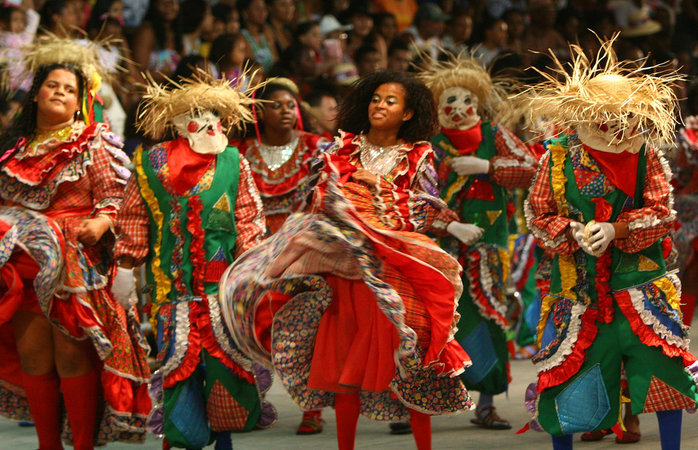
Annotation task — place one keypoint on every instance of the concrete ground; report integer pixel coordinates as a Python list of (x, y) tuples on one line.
[(450, 432)]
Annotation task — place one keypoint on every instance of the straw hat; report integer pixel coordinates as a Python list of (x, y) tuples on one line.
[(465, 71), (200, 92), (607, 90)]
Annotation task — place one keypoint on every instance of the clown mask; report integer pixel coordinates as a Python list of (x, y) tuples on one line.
[(611, 136), (458, 109), (203, 131)]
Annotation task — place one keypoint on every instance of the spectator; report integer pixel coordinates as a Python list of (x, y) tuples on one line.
[(18, 27), (458, 32), (281, 20), (362, 23), (429, 24), (159, 39), (541, 35), (323, 106), (299, 65), (229, 52), (101, 11), (226, 20), (61, 17), (10, 105), (196, 20), (516, 27), (260, 36), (384, 32), (134, 12), (495, 41), (367, 60), (398, 57), (334, 43)]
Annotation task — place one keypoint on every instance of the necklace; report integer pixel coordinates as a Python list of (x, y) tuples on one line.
[(379, 160), (275, 156), (38, 145)]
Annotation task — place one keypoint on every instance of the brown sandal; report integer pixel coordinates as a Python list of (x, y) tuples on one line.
[(595, 435), (487, 417)]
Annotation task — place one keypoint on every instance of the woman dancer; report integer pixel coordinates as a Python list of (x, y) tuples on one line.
[(61, 184), (362, 304)]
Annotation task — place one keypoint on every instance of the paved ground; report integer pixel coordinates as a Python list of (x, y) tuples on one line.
[(451, 432)]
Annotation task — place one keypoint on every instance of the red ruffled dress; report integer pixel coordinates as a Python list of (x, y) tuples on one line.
[(285, 189), (48, 189), (353, 297)]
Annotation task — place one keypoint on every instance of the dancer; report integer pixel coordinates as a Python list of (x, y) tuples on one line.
[(362, 304), (191, 209), (477, 162), (602, 204), (279, 157), (63, 334), (280, 152)]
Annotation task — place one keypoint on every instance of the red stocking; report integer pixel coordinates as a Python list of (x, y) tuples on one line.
[(43, 397), (421, 429), (346, 408), (80, 398)]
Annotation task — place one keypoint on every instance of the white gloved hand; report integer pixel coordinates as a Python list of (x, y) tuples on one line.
[(124, 287), (469, 165), (578, 235), (465, 232), (599, 235)]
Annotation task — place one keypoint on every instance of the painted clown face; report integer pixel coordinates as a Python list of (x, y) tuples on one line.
[(203, 131), (611, 136), (458, 108)]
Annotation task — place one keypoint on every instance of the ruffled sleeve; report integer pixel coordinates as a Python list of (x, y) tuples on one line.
[(655, 218), (107, 174)]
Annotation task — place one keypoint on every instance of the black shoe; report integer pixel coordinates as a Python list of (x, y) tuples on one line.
[(400, 428)]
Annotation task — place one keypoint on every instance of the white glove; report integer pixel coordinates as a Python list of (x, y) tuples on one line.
[(124, 287), (469, 165), (465, 232), (578, 235), (599, 235)]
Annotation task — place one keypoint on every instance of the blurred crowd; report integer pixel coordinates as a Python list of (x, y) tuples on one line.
[(324, 46)]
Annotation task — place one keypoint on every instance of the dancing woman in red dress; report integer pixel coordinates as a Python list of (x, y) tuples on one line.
[(353, 305)]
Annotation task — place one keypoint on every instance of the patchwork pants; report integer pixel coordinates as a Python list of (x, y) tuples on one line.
[(590, 400), (212, 399)]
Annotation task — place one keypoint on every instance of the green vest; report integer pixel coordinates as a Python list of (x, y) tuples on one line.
[(627, 269), (188, 249), (485, 211)]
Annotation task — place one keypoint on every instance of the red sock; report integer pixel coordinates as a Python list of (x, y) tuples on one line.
[(80, 398), (43, 397), (688, 306), (346, 408), (421, 429)]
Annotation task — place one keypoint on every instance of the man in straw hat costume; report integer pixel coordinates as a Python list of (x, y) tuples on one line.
[(477, 162), (190, 210), (65, 340), (601, 202)]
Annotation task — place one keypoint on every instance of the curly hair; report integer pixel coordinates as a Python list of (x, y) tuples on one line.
[(353, 111), (24, 125)]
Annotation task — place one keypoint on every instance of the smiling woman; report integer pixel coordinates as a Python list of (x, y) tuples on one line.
[(61, 184), (361, 248)]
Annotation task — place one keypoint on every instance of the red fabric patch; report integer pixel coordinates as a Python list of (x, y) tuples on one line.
[(465, 141), (603, 209), (662, 397), (223, 411), (186, 166), (480, 190), (619, 168)]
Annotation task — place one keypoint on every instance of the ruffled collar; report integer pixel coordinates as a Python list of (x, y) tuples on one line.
[(43, 143)]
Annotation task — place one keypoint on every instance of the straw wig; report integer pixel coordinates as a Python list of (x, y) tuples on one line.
[(465, 71), (200, 92), (82, 54), (608, 90)]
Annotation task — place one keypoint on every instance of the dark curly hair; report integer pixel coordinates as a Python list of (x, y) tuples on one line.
[(24, 125), (353, 111)]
